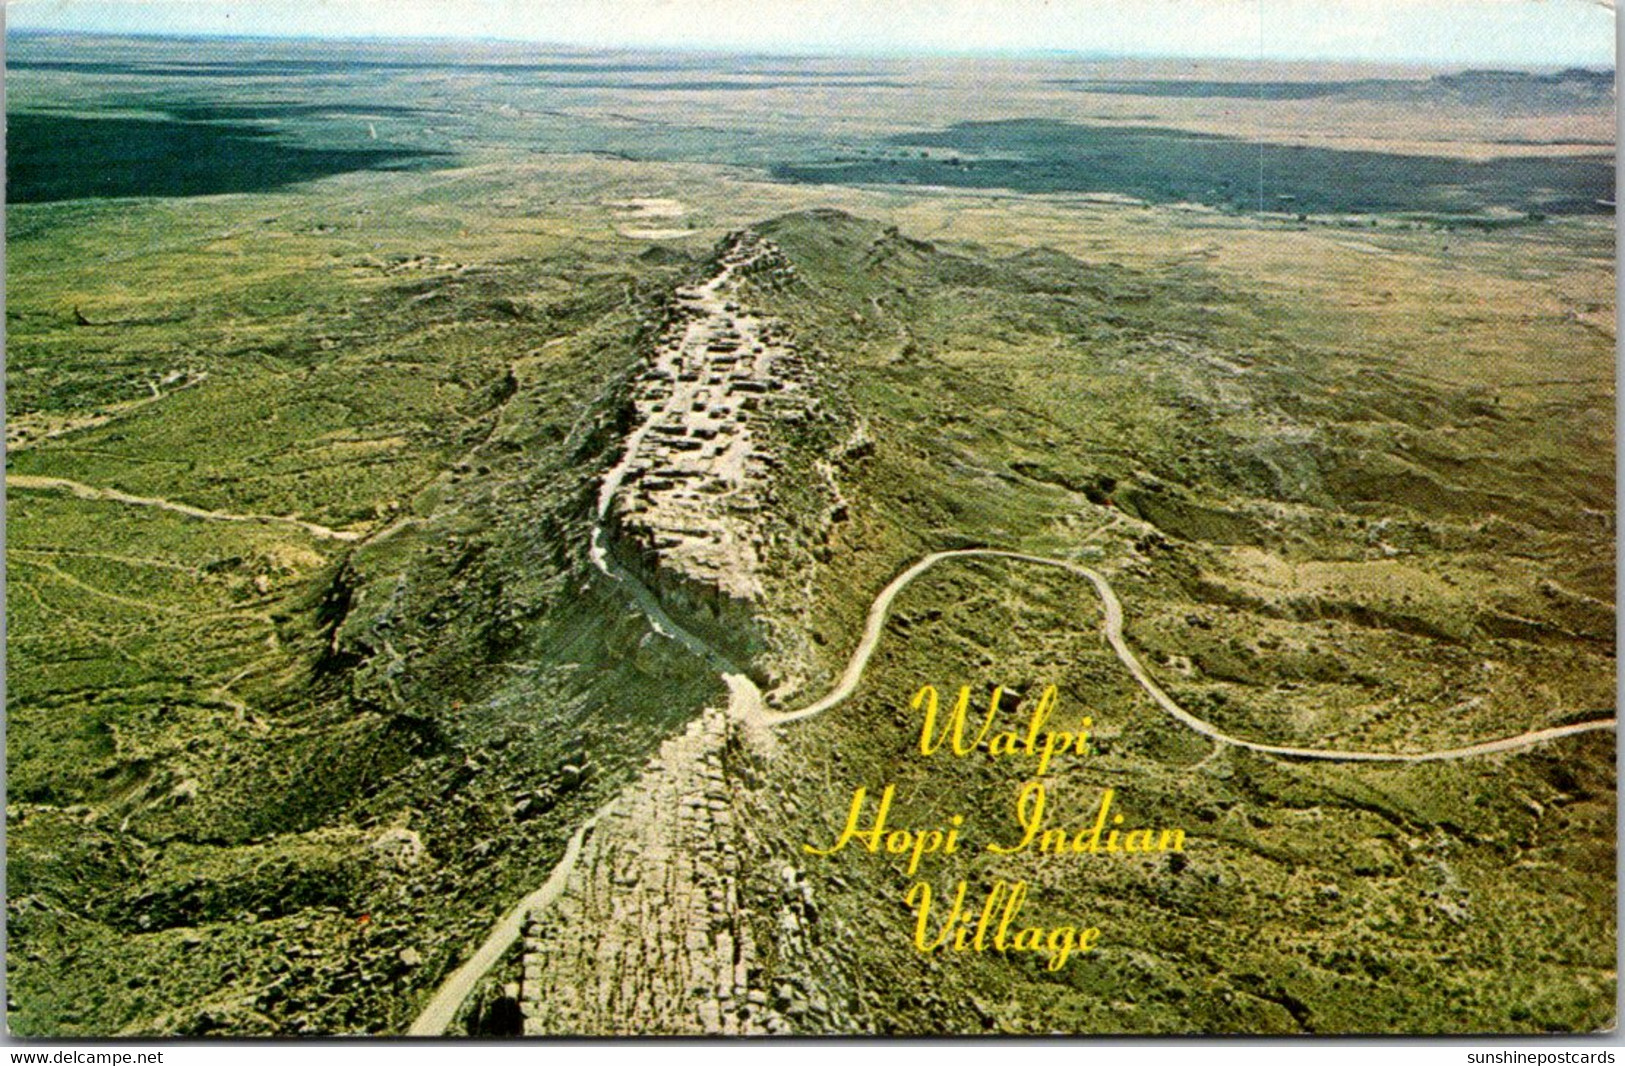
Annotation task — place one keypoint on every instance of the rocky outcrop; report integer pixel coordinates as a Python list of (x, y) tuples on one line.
[(689, 506), (675, 918), (660, 929)]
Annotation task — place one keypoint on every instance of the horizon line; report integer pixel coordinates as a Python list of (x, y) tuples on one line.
[(781, 52)]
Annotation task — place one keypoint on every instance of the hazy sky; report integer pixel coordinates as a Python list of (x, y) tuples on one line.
[(1450, 31)]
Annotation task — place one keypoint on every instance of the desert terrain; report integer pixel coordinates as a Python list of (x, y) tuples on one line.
[(476, 512)]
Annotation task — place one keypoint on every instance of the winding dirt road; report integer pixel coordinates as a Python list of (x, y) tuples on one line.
[(437, 1016), (91, 492), (1113, 625), (745, 701)]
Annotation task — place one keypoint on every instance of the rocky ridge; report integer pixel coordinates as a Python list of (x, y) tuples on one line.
[(676, 918), (695, 506)]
